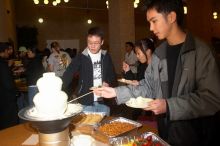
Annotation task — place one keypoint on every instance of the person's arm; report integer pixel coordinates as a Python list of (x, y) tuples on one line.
[(127, 73), (204, 97), (124, 93)]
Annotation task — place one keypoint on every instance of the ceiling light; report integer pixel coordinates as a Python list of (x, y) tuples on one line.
[(54, 3), (89, 21), (215, 13), (185, 9), (46, 2), (107, 5), (136, 1), (58, 1), (40, 20), (215, 17), (36, 2), (135, 5)]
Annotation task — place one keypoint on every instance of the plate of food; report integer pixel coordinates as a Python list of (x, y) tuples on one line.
[(139, 102), (117, 126), (122, 80), (145, 139), (89, 118)]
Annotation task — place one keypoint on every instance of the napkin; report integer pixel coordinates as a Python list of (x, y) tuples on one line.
[(31, 140)]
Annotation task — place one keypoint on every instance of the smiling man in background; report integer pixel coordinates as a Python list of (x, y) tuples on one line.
[(95, 68)]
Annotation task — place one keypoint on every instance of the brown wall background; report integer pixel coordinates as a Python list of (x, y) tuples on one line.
[(70, 23)]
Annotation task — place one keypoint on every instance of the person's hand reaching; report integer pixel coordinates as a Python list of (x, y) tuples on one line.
[(135, 82), (125, 67), (105, 84), (106, 92)]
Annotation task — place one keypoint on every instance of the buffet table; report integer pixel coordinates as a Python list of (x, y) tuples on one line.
[(15, 136)]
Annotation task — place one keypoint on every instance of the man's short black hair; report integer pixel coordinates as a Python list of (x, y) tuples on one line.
[(130, 44), (97, 31), (167, 6)]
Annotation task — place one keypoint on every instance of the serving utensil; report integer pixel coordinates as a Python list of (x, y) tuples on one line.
[(80, 97)]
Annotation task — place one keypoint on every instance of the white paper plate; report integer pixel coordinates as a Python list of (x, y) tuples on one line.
[(138, 102)]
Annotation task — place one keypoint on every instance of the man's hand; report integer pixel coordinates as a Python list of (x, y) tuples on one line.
[(106, 92), (135, 83), (105, 84), (125, 67), (158, 106)]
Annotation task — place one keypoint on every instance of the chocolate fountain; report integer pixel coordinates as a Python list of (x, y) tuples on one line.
[(51, 114)]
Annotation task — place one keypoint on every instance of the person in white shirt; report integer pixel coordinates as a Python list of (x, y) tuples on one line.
[(130, 57), (95, 68), (58, 60)]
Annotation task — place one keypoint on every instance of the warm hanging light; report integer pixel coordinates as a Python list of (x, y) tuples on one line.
[(89, 21), (40, 20), (58, 1), (46, 2), (53, 2), (136, 2), (185, 9), (36, 2), (107, 5), (135, 5), (215, 15)]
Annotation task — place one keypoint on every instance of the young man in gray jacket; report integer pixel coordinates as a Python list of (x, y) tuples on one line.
[(183, 77)]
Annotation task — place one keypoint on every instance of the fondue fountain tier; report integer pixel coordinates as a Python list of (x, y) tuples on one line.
[(51, 114)]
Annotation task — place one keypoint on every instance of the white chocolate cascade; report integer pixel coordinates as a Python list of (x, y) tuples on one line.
[(50, 101)]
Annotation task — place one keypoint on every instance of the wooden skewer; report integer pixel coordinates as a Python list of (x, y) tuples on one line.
[(80, 97)]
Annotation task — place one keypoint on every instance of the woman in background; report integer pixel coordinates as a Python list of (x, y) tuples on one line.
[(144, 49)]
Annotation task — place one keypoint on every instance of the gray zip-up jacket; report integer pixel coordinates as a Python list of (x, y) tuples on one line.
[(196, 86), (195, 99)]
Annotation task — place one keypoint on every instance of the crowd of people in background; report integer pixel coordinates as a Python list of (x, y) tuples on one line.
[(26, 64)]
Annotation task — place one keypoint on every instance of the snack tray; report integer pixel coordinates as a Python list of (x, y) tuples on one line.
[(155, 138), (119, 119), (90, 123)]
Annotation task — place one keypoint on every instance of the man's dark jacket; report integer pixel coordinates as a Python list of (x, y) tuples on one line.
[(8, 104), (82, 64)]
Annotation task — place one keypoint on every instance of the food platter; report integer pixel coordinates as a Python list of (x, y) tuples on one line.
[(88, 118), (145, 139), (138, 102), (117, 127)]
